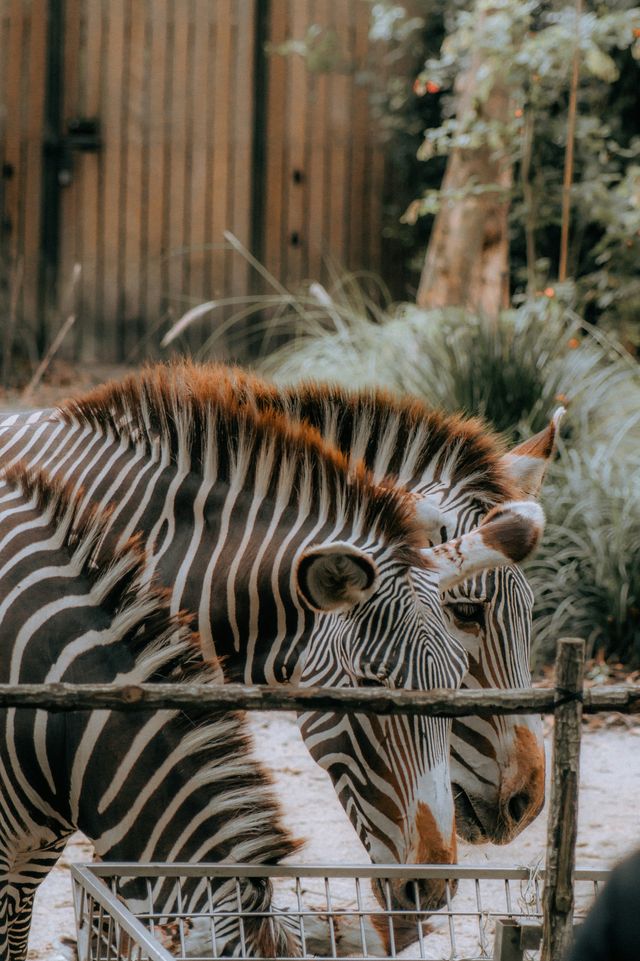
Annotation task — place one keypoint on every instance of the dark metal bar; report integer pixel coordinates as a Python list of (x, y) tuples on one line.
[(227, 869), (203, 699)]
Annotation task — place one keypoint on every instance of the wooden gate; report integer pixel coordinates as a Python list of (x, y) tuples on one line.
[(134, 132)]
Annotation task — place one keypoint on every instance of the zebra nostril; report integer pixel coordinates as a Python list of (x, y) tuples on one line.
[(518, 806)]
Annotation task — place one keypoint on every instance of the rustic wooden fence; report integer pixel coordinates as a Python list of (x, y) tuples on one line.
[(133, 133), (568, 701)]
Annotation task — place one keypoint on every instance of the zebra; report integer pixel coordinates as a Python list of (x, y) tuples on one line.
[(142, 786), (276, 543), (455, 468)]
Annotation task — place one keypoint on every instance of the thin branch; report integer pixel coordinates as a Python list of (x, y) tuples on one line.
[(60, 336), (529, 202), (568, 159)]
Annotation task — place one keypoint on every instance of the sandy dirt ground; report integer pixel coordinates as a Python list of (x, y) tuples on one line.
[(609, 823)]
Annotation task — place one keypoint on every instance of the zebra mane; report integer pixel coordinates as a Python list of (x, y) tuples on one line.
[(394, 436), (210, 419), (404, 439)]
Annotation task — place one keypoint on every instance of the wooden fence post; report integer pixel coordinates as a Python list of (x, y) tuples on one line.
[(562, 829)]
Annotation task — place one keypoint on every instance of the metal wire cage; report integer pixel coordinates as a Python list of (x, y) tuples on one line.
[(489, 912)]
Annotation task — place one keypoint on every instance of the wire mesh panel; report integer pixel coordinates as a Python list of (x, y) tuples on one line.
[(207, 911)]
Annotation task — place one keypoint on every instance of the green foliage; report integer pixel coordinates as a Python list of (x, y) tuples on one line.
[(528, 47), (586, 577)]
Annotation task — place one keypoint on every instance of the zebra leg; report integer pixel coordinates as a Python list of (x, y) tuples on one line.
[(20, 875)]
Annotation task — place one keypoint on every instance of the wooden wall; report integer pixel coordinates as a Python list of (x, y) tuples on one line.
[(194, 142), (324, 162), (23, 38)]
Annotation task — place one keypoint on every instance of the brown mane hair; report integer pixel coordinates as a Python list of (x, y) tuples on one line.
[(216, 420), (425, 439)]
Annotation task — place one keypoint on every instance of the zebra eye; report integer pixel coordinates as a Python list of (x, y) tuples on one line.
[(467, 613)]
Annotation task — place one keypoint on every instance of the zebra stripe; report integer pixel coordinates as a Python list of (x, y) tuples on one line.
[(142, 787)]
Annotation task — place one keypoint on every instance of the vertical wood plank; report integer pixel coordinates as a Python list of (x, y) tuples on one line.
[(198, 136), (562, 829), (87, 183), (32, 183), (14, 185), (5, 27), (221, 148), (317, 186), (113, 193), (145, 328), (362, 141), (157, 169), (376, 193), (209, 191), (242, 80), (293, 197), (135, 123), (177, 134), (338, 134), (71, 246), (275, 226)]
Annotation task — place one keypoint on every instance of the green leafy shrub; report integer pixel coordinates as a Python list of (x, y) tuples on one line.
[(586, 577), (513, 372)]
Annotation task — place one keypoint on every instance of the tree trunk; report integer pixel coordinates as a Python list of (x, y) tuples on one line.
[(467, 260)]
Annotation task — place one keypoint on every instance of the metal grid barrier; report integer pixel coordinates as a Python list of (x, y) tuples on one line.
[(331, 910)]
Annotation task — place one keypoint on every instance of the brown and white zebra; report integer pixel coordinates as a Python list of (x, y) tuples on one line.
[(277, 543)]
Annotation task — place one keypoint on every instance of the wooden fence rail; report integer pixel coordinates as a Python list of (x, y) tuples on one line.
[(202, 698)]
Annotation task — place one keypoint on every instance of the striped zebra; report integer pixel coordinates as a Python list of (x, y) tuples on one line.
[(457, 471), (142, 786), (278, 545)]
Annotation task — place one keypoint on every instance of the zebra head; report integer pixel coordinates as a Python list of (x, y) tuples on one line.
[(498, 763), (392, 774)]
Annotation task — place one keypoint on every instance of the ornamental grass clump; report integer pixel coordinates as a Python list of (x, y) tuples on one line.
[(586, 576)]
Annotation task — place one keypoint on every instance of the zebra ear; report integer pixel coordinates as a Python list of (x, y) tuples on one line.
[(527, 463), (432, 521), (507, 535), (335, 577)]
